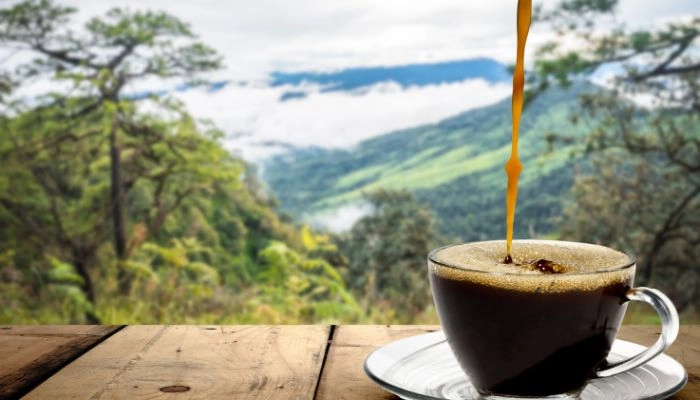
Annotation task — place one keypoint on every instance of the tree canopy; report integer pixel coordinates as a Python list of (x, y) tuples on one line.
[(116, 207)]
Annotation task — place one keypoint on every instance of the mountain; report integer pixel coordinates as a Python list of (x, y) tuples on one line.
[(350, 79), (455, 166)]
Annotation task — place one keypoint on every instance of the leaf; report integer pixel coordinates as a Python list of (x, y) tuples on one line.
[(64, 273)]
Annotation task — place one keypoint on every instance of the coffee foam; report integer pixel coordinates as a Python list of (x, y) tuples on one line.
[(587, 266)]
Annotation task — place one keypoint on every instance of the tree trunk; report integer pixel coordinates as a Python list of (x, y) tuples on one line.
[(650, 261), (117, 201), (80, 263)]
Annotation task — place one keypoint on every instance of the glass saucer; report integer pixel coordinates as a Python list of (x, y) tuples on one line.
[(423, 368)]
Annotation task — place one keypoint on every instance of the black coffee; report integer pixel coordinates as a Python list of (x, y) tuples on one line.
[(534, 334)]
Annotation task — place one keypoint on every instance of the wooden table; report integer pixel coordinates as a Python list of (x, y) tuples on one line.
[(225, 362)]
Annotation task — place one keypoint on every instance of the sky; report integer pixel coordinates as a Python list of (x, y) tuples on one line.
[(262, 36)]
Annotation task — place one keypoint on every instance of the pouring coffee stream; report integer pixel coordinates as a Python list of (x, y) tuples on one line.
[(513, 165)]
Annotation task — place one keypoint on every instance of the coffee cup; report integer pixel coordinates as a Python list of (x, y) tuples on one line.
[(542, 326)]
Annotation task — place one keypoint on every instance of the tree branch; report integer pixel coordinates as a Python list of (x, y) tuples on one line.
[(62, 55), (163, 213), (667, 71), (126, 51)]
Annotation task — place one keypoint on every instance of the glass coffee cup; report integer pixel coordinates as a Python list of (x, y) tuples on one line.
[(542, 326)]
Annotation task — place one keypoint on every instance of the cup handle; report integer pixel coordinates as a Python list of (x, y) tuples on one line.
[(669, 330)]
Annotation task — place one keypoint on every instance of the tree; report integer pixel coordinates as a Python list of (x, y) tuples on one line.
[(387, 251), (55, 193), (641, 193), (92, 112)]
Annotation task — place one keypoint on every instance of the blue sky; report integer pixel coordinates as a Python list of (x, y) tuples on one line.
[(260, 37)]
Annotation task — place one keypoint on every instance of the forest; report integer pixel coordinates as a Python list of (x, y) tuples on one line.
[(116, 208)]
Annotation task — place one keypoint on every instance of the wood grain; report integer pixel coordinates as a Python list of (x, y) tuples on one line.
[(31, 354), (196, 362), (344, 378), (686, 349), (231, 362)]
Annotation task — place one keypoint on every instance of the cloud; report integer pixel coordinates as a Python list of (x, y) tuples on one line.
[(253, 114), (340, 219)]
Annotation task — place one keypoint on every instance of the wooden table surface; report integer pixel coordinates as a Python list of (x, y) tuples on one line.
[(225, 362)]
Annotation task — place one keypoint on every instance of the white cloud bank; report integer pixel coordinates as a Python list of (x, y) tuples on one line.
[(253, 114)]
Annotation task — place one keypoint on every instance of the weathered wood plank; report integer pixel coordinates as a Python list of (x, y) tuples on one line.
[(30, 354), (344, 378), (205, 362)]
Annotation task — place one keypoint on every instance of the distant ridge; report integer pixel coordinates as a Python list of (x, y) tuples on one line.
[(351, 79), (405, 75)]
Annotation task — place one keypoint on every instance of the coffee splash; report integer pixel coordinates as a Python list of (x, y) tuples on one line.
[(544, 266), (513, 165)]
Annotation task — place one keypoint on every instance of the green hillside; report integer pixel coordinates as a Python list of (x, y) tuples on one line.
[(456, 166)]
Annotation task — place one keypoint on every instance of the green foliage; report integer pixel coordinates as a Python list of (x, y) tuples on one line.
[(63, 273), (25, 294), (134, 150), (172, 282), (217, 256), (309, 289), (387, 251)]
